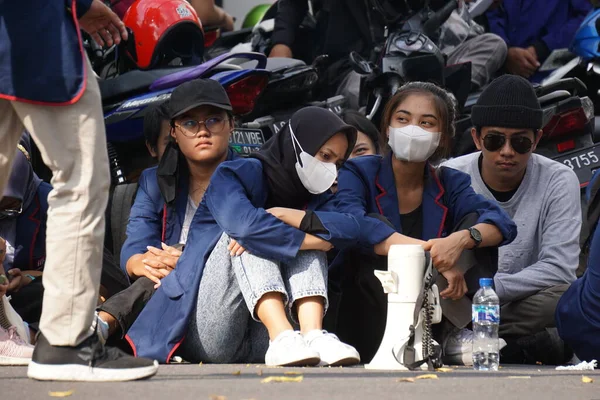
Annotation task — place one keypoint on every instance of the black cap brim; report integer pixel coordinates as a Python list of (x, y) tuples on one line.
[(226, 107)]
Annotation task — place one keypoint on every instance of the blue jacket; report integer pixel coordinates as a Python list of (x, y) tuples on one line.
[(578, 310), (366, 185), (151, 221), (41, 54), (233, 203), (30, 241), (545, 24)]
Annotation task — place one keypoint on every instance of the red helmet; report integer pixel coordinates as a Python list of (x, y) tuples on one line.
[(162, 31)]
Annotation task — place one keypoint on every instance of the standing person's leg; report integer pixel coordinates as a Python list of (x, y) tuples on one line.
[(72, 142), (487, 54)]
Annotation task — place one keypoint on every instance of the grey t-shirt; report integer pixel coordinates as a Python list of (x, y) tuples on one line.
[(547, 210), (190, 210)]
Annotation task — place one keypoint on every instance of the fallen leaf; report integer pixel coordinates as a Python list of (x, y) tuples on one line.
[(518, 377), (237, 373), (217, 397), (247, 365), (444, 369), (259, 373), (411, 380), (427, 376), (282, 379), (200, 364), (292, 373), (61, 394), (538, 363), (586, 379)]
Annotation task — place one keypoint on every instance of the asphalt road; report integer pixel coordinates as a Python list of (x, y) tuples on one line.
[(244, 382)]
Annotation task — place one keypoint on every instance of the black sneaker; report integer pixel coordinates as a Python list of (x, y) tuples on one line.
[(91, 361), (544, 347)]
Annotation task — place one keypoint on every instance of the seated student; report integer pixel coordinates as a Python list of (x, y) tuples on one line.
[(422, 205), (169, 194), (533, 29), (223, 303), (367, 135), (543, 198), (157, 131), (578, 310)]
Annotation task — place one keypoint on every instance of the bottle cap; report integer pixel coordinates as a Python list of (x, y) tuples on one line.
[(486, 282)]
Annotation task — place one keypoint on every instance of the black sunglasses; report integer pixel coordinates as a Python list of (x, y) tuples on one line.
[(520, 144)]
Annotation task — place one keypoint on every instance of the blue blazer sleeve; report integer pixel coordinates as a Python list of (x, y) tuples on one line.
[(145, 224), (462, 200), (228, 198), (497, 20), (352, 199), (342, 228)]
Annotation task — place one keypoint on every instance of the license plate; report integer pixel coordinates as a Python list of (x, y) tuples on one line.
[(584, 162), (246, 141)]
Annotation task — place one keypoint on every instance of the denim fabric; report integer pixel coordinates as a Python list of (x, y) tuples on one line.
[(222, 328), (306, 276)]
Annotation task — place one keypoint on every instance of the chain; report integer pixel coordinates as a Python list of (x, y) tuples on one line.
[(428, 350)]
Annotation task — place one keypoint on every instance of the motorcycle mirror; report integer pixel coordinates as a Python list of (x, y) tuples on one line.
[(359, 64)]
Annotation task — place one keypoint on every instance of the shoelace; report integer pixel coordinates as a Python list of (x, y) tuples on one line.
[(14, 336)]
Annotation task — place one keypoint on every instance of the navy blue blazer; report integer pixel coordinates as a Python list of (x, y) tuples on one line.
[(41, 53), (151, 221), (233, 203), (578, 310), (30, 240), (366, 185)]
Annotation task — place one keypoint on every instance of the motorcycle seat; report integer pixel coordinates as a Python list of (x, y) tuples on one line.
[(275, 64), (131, 83)]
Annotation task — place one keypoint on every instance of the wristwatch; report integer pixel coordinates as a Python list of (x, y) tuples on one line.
[(475, 235)]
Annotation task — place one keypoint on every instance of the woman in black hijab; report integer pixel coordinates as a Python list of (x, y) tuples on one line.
[(256, 249)]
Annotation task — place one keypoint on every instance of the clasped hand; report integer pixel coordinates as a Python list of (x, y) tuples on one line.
[(445, 253)]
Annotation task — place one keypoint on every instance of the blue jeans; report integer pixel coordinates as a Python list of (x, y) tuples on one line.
[(224, 327)]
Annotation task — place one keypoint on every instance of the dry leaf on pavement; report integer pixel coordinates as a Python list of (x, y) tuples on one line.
[(586, 379), (427, 376), (444, 369), (236, 373), (282, 379), (61, 394), (217, 397), (411, 380)]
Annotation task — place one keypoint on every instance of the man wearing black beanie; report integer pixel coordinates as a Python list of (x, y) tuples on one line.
[(542, 197)]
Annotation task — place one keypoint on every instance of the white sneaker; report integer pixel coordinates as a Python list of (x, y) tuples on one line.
[(330, 349), (289, 349), (458, 347), (13, 349)]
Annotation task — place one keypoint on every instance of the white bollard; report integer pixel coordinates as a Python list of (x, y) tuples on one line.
[(402, 282)]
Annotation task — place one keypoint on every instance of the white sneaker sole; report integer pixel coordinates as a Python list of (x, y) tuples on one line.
[(14, 360), (309, 361), (83, 373), (341, 362)]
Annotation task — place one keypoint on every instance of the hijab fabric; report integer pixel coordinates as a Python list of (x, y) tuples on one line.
[(312, 127)]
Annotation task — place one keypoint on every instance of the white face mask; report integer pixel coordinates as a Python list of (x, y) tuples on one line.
[(412, 143), (316, 176)]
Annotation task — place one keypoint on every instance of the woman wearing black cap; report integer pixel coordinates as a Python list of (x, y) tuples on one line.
[(221, 296), (367, 135)]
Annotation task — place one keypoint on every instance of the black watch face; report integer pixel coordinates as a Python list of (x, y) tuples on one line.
[(475, 234)]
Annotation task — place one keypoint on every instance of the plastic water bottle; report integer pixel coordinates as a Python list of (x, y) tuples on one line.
[(486, 319)]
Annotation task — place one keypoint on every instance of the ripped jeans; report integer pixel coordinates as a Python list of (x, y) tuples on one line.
[(224, 328)]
